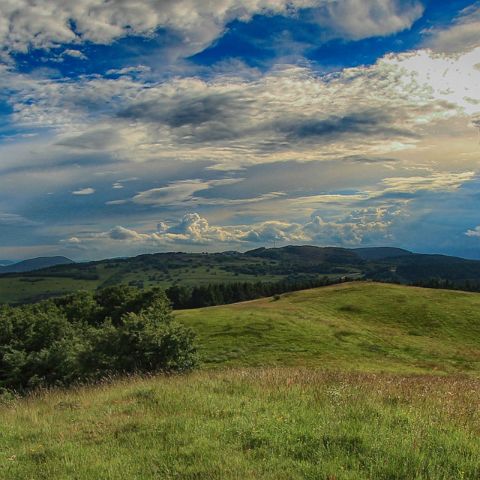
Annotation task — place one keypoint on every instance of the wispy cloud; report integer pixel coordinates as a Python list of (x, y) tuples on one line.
[(84, 191)]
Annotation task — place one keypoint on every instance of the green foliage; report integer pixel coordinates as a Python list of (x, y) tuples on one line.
[(85, 337)]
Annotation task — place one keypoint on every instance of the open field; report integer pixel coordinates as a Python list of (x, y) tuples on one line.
[(360, 326), (248, 424), (347, 382)]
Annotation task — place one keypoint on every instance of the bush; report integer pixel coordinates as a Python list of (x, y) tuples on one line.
[(82, 337)]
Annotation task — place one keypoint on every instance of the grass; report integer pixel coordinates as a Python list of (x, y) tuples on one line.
[(348, 382), (248, 424), (356, 326)]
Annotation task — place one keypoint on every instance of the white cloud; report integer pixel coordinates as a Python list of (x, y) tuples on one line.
[(74, 53), (84, 191), (191, 229), (274, 231), (460, 36), (288, 114), (178, 192), (441, 181), (368, 224), (189, 192), (358, 19), (25, 24), (137, 69), (473, 233), (14, 220)]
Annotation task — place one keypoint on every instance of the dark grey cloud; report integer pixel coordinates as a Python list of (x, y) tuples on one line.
[(92, 140), (368, 122), (178, 112)]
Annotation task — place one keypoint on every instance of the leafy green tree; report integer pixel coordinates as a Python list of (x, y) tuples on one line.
[(85, 337)]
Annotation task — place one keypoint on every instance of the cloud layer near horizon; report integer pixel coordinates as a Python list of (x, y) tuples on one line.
[(232, 154)]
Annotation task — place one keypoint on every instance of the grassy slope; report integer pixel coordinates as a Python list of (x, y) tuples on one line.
[(279, 422), (362, 326), (248, 424)]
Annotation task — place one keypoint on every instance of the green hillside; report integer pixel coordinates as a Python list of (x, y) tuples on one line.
[(362, 326), (144, 271), (264, 264), (359, 381), (167, 269)]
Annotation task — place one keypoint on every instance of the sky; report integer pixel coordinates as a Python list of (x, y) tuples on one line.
[(178, 125)]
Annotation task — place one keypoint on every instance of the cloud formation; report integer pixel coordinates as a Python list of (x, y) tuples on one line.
[(289, 113), (14, 220), (193, 229), (459, 37), (473, 233), (349, 146), (26, 24), (358, 19)]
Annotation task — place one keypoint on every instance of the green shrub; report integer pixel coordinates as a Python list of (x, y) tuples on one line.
[(82, 337)]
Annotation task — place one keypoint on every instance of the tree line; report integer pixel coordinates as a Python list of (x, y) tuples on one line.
[(465, 285), (183, 297)]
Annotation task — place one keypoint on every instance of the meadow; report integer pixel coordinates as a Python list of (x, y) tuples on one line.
[(361, 326), (274, 423), (346, 382)]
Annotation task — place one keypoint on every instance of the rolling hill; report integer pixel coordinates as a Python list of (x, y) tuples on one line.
[(34, 264), (4, 263), (361, 325), (267, 265), (357, 381)]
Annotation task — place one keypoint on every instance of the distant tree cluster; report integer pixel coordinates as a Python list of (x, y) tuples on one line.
[(87, 337), (464, 285), (225, 293)]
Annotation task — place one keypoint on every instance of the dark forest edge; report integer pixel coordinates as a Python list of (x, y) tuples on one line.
[(183, 297)]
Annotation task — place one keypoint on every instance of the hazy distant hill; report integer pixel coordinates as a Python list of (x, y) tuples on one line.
[(418, 267), (34, 264), (4, 263), (307, 255)]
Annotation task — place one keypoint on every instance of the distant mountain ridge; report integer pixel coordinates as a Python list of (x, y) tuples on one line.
[(4, 263), (33, 264), (381, 253)]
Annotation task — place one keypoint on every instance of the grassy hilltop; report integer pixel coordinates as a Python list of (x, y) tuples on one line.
[(362, 326), (344, 391)]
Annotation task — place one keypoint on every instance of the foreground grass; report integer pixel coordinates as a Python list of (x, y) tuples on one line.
[(373, 411), (248, 424), (356, 326)]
